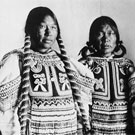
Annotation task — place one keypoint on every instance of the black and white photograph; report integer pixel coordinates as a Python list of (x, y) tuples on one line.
[(67, 67)]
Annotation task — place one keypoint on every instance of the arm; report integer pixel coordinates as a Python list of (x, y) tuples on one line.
[(9, 86), (85, 80), (9, 69), (132, 96)]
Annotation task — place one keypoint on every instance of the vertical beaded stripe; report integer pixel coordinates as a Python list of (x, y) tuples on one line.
[(73, 84), (24, 107)]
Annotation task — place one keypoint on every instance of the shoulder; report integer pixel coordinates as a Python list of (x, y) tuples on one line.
[(129, 65), (125, 60), (83, 70), (9, 66), (14, 55)]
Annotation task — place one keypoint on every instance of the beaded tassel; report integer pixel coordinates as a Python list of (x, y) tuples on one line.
[(73, 84)]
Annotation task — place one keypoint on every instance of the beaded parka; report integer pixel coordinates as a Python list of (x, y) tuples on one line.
[(110, 109), (53, 109)]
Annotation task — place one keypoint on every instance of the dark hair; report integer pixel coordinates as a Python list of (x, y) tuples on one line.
[(96, 26), (35, 17)]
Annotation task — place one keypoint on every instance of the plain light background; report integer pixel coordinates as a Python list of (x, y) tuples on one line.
[(74, 17)]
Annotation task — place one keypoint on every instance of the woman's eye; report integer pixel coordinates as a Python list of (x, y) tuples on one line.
[(54, 27), (100, 34), (111, 33), (42, 27)]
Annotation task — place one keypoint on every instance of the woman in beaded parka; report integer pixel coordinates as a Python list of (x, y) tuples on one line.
[(54, 90), (104, 55)]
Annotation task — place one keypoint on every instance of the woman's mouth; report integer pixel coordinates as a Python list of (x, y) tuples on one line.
[(47, 40), (106, 46)]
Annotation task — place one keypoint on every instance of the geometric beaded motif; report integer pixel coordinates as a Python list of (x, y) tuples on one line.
[(9, 94), (52, 109), (110, 98)]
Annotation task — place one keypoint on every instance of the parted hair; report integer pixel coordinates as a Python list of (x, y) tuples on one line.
[(91, 44)]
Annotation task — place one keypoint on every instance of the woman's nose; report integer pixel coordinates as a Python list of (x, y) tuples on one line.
[(105, 37), (47, 31)]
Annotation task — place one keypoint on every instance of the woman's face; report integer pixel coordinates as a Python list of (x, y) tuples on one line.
[(106, 41), (46, 34)]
